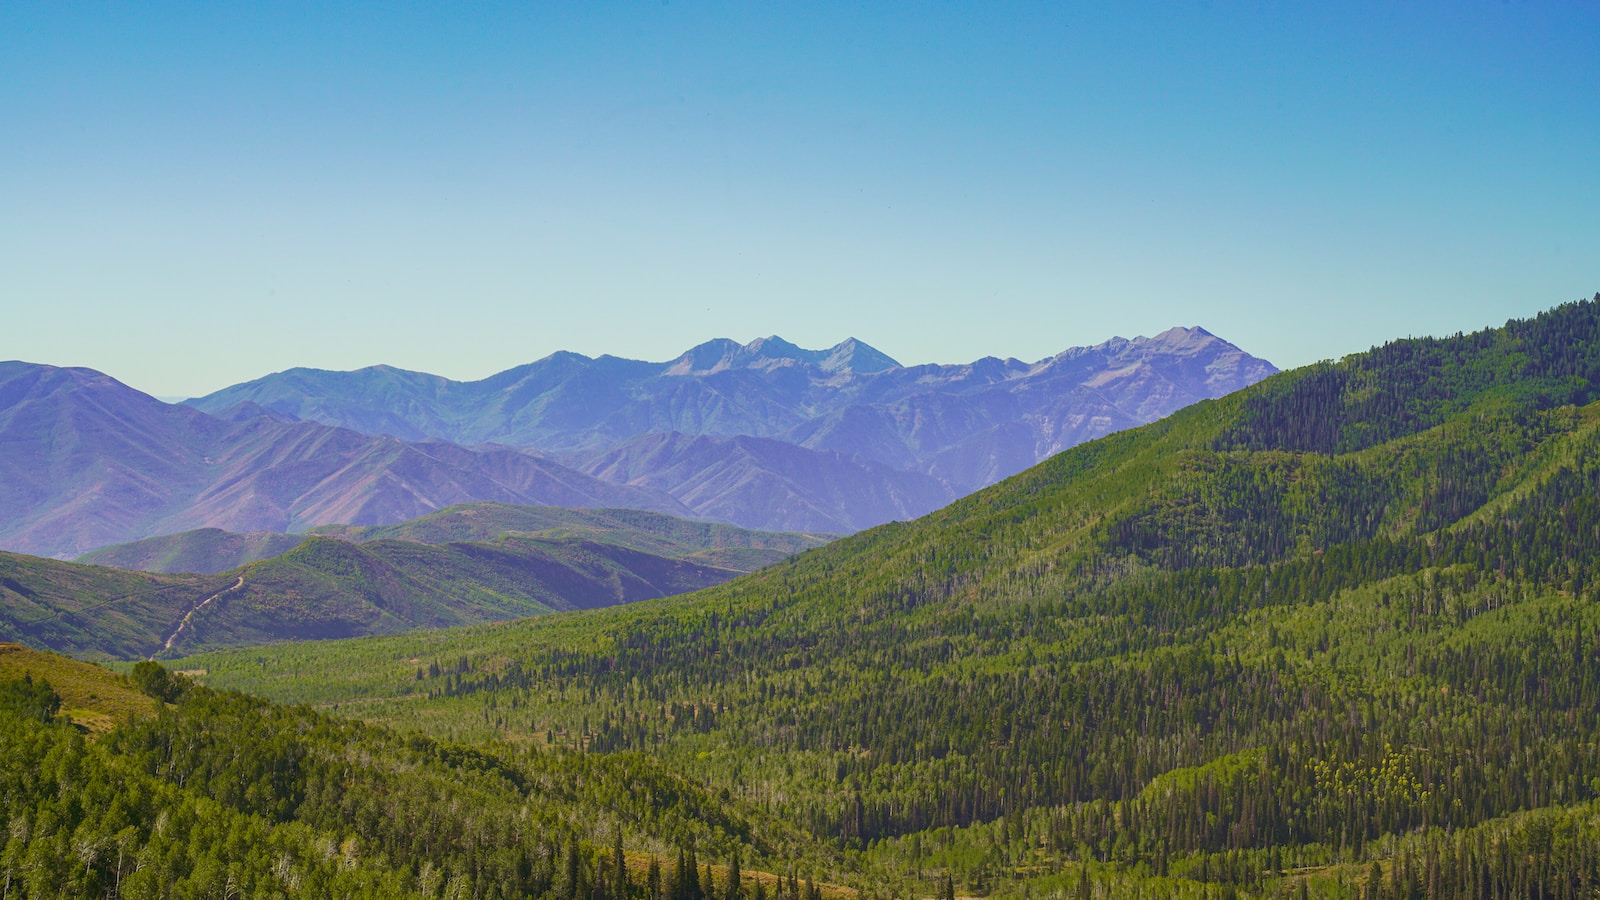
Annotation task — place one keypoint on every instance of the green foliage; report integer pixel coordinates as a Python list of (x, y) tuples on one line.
[(224, 794), (153, 680), (30, 699), (1410, 386)]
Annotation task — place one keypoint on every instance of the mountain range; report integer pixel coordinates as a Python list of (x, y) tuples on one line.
[(968, 425), (762, 435), (90, 462)]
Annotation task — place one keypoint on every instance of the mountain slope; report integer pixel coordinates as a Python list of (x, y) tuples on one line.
[(992, 419), (222, 795), (769, 484), (90, 610), (1340, 631), (962, 423), (631, 528), (211, 550), (203, 550), (89, 462), (93, 698), (326, 588), (477, 563)]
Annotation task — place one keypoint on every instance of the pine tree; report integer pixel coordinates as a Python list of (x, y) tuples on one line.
[(619, 864), (733, 890), (691, 883), (571, 880)]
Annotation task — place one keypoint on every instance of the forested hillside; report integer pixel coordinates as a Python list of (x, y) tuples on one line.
[(1334, 635), (222, 795)]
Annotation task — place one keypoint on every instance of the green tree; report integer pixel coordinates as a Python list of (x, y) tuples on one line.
[(31, 699), (153, 679), (619, 864), (734, 886)]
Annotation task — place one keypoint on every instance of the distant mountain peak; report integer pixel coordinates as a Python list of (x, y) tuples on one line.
[(774, 347), (850, 356), (712, 356), (856, 356), (1179, 341), (1181, 338)]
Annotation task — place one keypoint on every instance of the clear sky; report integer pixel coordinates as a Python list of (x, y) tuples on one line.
[(197, 194)]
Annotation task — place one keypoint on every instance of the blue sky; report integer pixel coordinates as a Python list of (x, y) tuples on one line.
[(197, 194)]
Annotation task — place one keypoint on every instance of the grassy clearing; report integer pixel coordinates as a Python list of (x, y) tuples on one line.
[(94, 697)]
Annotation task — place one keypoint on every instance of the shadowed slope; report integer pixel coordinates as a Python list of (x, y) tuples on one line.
[(770, 484)]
